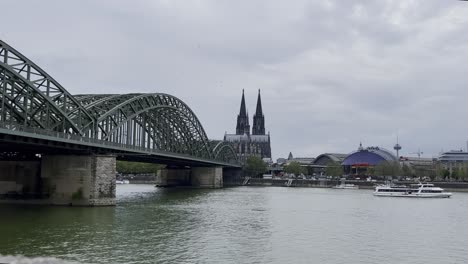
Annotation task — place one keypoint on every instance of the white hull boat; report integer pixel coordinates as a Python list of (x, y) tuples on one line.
[(346, 186), (421, 190)]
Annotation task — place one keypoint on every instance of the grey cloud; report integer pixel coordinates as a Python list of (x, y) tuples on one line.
[(332, 73)]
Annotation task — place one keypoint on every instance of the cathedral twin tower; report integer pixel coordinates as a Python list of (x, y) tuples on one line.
[(243, 126), (246, 144)]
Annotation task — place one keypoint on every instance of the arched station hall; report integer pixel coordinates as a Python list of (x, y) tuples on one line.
[(320, 163)]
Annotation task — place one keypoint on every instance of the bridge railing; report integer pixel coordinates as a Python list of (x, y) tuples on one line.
[(42, 132)]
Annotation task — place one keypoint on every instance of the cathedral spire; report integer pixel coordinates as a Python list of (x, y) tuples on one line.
[(259, 112), (243, 110), (243, 126), (258, 119)]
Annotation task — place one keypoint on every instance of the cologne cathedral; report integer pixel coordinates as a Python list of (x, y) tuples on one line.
[(245, 143)]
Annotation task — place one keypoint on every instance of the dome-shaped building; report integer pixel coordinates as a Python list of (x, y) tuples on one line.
[(359, 161)]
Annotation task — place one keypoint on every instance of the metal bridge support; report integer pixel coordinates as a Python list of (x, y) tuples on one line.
[(79, 180), (207, 177)]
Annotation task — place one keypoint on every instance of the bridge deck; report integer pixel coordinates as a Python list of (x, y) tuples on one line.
[(19, 138)]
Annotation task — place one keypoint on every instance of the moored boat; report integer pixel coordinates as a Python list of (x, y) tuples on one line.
[(346, 186), (421, 190), (122, 181)]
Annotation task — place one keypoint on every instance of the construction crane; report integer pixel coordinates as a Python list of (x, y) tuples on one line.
[(419, 153)]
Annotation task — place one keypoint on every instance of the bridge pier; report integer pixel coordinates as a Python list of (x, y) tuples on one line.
[(232, 176), (20, 179), (173, 177), (197, 177), (79, 180), (207, 177), (85, 180)]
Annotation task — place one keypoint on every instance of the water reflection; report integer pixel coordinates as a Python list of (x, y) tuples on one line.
[(51, 231), (242, 225)]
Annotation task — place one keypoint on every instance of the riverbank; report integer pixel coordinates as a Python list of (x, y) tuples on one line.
[(305, 183), (142, 182), (448, 186)]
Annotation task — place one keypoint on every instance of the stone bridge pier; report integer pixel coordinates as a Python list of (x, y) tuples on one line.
[(89, 180), (196, 177), (79, 180), (83, 180)]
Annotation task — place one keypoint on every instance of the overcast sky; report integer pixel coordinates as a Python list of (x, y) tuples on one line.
[(332, 73)]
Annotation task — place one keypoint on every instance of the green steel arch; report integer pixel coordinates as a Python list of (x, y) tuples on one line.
[(225, 152), (153, 122), (35, 99)]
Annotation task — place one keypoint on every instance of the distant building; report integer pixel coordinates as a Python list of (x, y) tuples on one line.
[(281, 161), (246, 144), (328, 158), (301, 160), (324, 160), (417, 162), (453, 160), (364, 158), (304, 160), (418, 166)]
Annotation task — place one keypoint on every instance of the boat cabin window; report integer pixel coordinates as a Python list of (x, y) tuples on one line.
[(392, 190)]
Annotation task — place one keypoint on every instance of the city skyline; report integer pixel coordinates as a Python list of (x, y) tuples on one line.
[(332, 75)]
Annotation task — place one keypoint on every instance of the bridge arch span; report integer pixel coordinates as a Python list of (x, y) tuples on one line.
[(35, 104), (35, 99), (225, 152), (153, 121)]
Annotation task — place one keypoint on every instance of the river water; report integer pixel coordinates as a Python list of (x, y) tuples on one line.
[(243, 225)]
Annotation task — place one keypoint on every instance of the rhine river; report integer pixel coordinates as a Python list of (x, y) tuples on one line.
[(243, 225)]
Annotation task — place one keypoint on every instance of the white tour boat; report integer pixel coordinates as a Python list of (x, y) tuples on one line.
[(421, 190), (346, 186)]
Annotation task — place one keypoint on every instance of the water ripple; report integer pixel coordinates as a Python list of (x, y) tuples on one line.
[(243, 225)]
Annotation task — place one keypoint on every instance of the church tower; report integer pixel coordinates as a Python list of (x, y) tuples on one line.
[(258, 118), (243, 126), (245, 144)]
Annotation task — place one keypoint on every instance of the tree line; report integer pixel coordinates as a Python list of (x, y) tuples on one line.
[(256, 167), (130, 167)]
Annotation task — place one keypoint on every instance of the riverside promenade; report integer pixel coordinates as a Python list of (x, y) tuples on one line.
[(448, 186)]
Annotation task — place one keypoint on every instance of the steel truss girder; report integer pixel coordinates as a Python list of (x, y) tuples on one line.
[(225, 152), (160, 122), (30, 107), (36, 85), (154, 121)]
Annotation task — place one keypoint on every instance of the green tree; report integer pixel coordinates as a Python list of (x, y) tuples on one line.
[(464, 172), (454, 173), (295, 167), (406, 170), (446, 174), (439, 172), (255, 166), (127, 167), (388, 169), (334, 169)]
